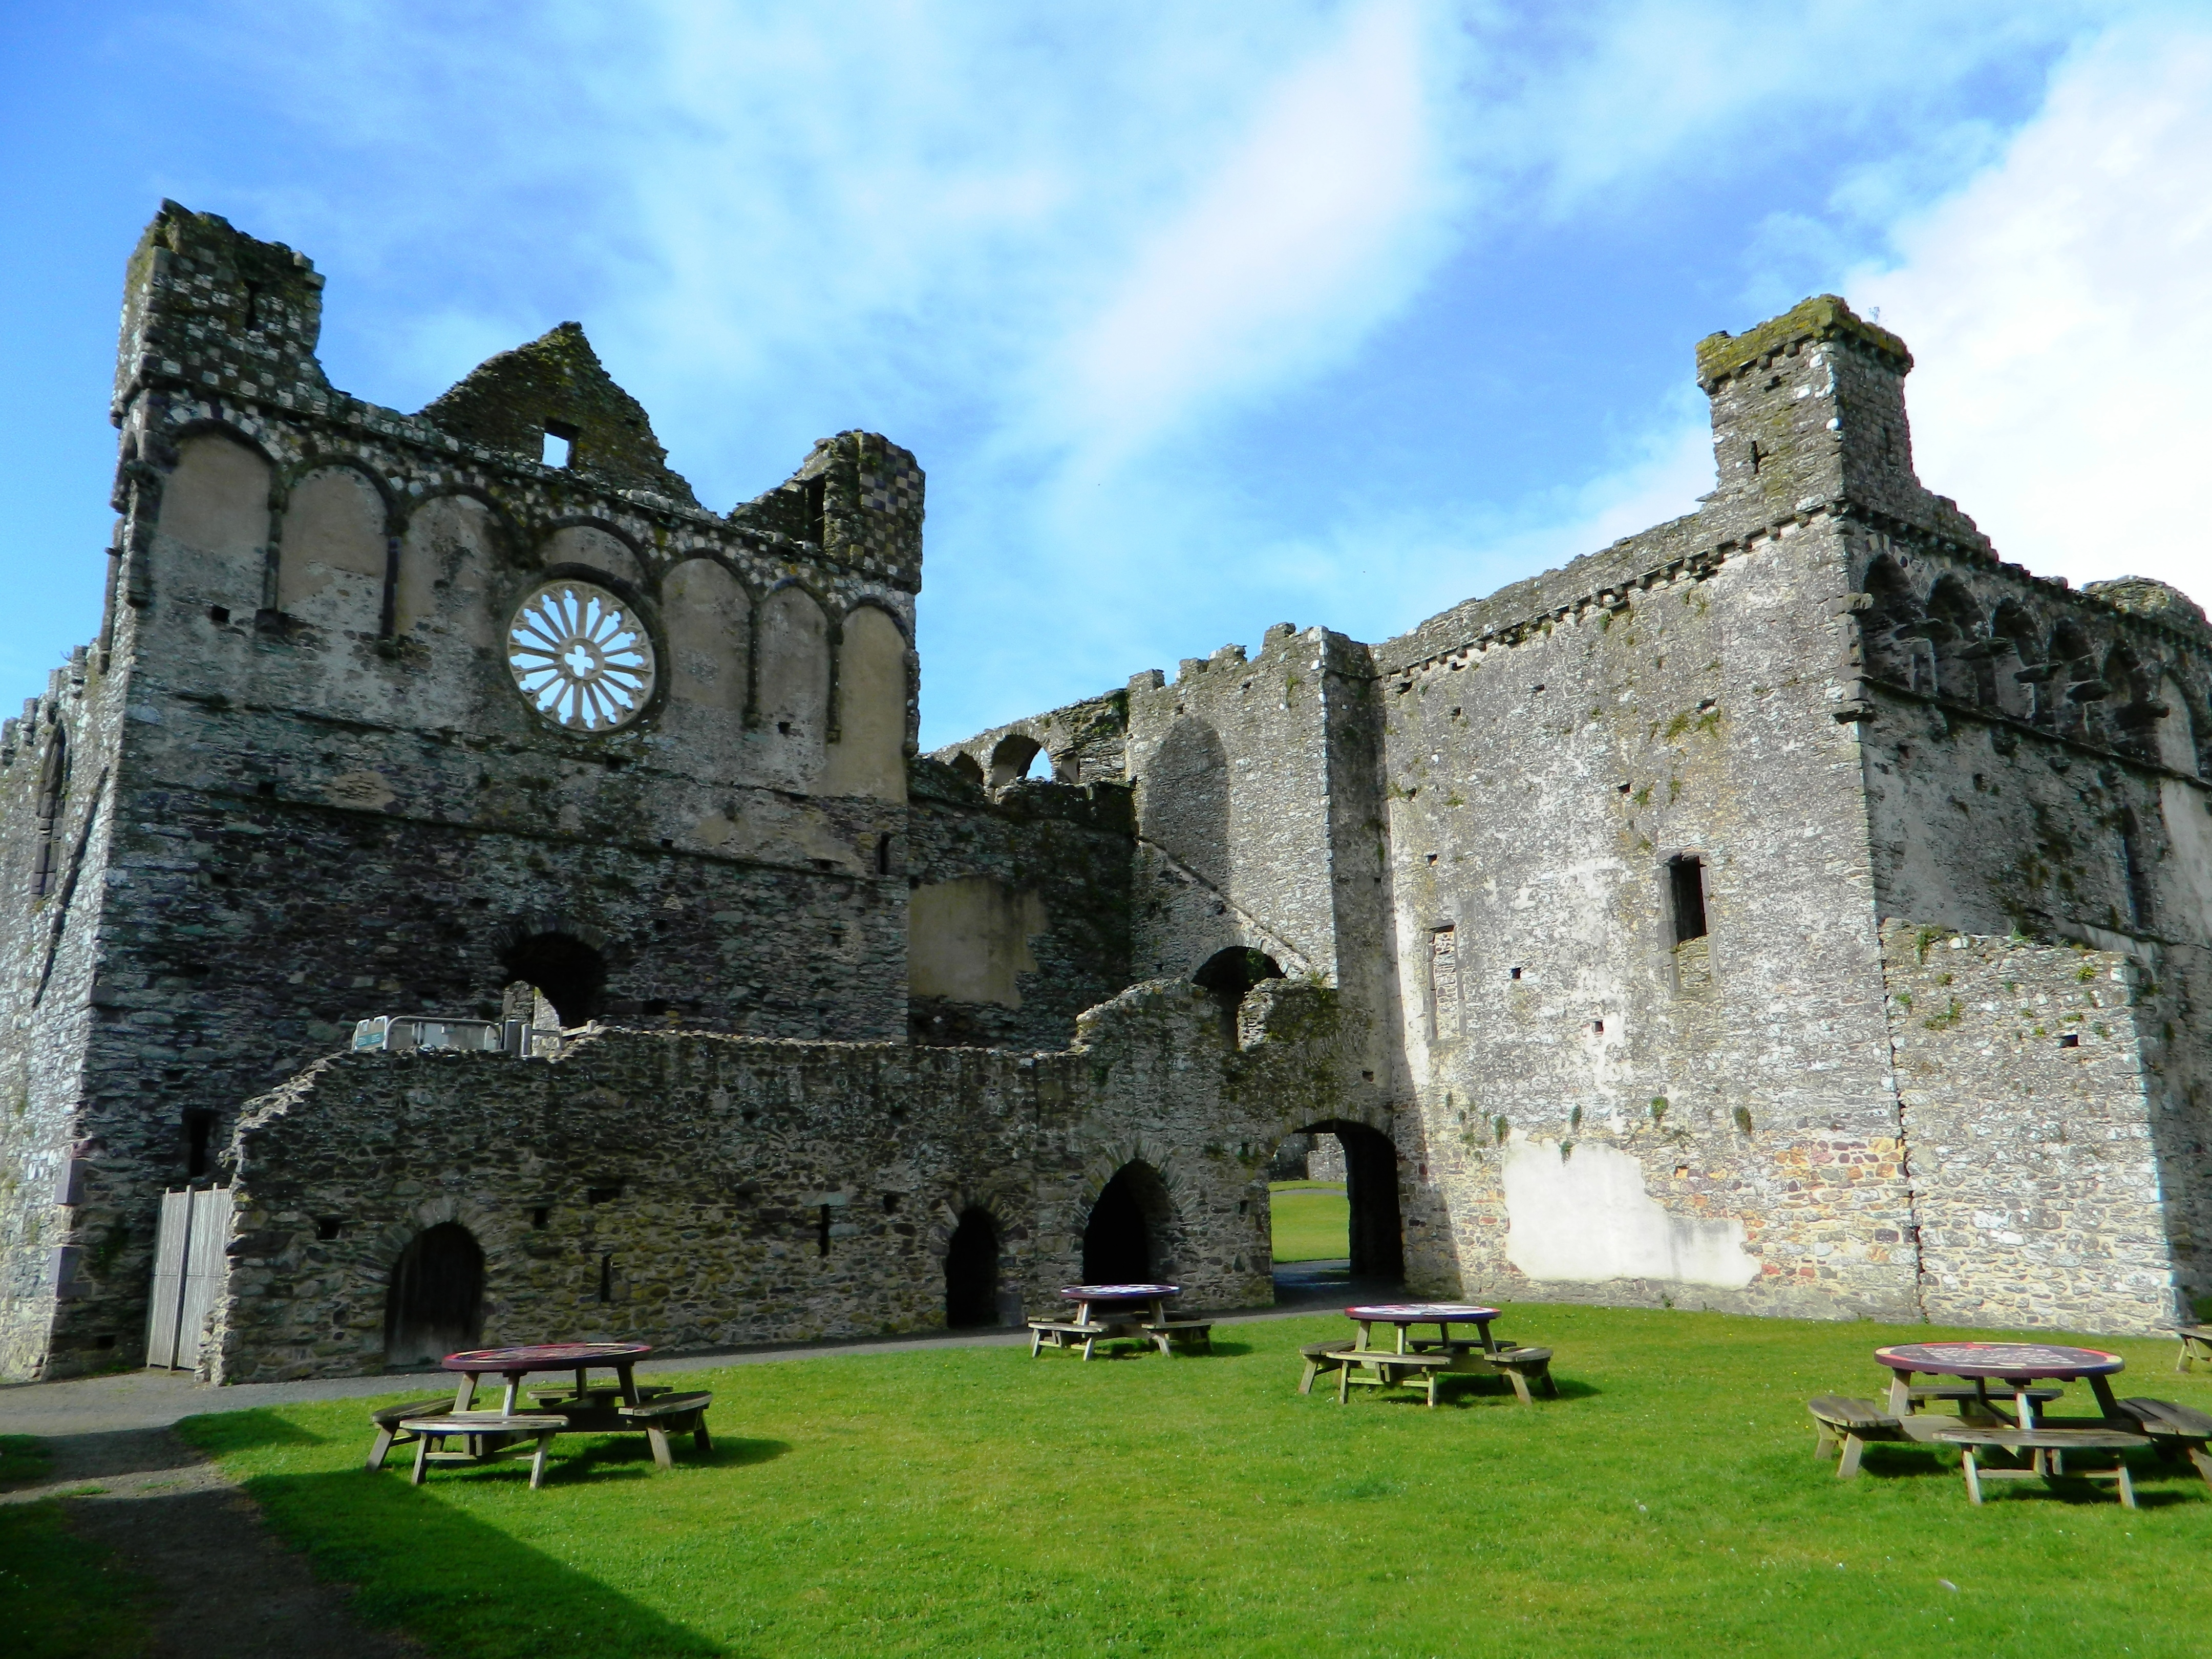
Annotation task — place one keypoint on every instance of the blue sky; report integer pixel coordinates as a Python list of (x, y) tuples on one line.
[(1200, 318)]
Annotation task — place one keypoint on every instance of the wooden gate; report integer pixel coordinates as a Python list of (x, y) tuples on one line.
[(188, 1271)]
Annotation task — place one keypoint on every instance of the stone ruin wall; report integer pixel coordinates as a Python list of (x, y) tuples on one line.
[(722, 1166)]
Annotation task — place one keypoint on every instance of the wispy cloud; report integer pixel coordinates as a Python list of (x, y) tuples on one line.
[(2055, 307)]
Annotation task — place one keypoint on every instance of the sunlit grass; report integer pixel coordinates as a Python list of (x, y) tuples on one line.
[(1312, 1220), (978, 1502)]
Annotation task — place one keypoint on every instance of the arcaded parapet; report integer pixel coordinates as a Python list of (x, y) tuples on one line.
[(693, 1191), (1080, 742), (2046, 1160)]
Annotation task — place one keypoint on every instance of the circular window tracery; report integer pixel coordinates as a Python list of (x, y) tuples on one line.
[(580, 657)]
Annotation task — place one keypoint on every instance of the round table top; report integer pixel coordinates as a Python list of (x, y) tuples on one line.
[(546, 1357), (1118, 1292), (2004, 1359), (1423, 1313)]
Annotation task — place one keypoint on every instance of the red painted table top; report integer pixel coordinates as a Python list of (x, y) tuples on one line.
[(544, 1357), (1118, 1292), (1422, 1312), (2001, 1359)]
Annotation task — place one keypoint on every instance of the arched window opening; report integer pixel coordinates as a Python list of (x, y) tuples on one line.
[(2017, 670), (968, 768), (434, 1306), (2135, 872), (567, 972), (1013, 759), (2132, 705), (1231, 973), (53, 785), (971, 1272), (1374, 1233), (1126, 1240), (1962, 655), (1891, 636)]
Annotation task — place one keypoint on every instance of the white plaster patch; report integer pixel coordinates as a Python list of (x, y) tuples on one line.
[(1588, 1218)]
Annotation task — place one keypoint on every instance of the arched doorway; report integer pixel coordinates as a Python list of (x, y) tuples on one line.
[(434, 1306), (971, 1272), (1374, 1232), (1125, 1240), (1230, 974), (567, 972)]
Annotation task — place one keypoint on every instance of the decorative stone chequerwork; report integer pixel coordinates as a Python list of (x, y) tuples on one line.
[(580, 658)]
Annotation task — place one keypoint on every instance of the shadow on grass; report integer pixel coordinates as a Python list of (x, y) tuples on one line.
[(425, 1566), (218, 1433)]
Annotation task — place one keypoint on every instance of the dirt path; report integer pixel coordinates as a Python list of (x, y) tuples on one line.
[(222, 1588)]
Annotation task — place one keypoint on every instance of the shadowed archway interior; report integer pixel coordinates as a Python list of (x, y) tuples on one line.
[(1371, 1190), (568, 973), (1125, 1239), (434, 1306), (971, 1272)]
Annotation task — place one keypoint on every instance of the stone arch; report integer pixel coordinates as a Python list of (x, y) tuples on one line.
[(2074, 683), (792, 651), (434, 1302), (333, 549), (214, 515), (975, 1259), (2174, 736), (1376, 1234), (1186, 799), (592, 544), (1131, 1231), (1012, 757), (1953, 628), (874, 691), (2015, 660), (565, 961), (2131, 705), (449, 558), (1891, 628), (708, 617), (968, 768), (1231, 974)]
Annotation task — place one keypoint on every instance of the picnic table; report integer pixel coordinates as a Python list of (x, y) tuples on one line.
[(2015, 1366), (515, 1363), (1104, 1312), (1425, 1363)]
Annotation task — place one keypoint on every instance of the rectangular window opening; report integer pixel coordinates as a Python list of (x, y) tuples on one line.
[(199, 1142), (560, 443), (1685, 881), (328, 1227), (606, 1276), (540, 1216), (821, 1233)]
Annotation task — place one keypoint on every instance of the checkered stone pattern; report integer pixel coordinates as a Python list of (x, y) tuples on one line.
[(888, 540)]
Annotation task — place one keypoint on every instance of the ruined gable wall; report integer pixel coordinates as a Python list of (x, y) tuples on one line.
[(1627, 1119), (717, 1159), (330, 799), (1019, 916)]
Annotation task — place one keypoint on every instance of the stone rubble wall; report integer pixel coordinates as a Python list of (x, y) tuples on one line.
[(723, 1166), (2034, 1144)]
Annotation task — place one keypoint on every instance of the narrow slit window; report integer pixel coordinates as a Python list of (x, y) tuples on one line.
[(821, 1233), (1685, 882), (607, 1277), (199, 1143)]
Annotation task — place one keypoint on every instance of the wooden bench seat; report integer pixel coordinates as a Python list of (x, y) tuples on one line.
[(487, 1432), (672, 1413), (2046, 1448), (1167, 1332), (388, 1419), (1853, 1423), (1322, 1356), (2174, 1431), (610, 1395), (1065, 1333), (1529, 1371)]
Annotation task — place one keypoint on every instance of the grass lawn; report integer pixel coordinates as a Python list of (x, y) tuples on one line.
[(60, 1597), (1312, 1220), (978, 1502)]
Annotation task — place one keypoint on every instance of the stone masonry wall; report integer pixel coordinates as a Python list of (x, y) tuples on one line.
[(2034, 1153), (750, 1190)]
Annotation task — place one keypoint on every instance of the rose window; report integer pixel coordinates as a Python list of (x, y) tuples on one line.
[(580, 657)]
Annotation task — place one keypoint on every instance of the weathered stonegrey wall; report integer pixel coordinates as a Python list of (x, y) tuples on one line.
[(329, 798), (59, 1219), (2037, 1150), (1019, 912), (716, 1155)]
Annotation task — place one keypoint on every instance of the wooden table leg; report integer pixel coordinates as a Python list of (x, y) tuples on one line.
[(466, 1392), (422, 1459), (1900, 1394), (625, 1369), (514, 1384), (2102, 1388), (2023, 1406)]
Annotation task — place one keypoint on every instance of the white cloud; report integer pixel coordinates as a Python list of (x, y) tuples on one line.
[(2056, 309)]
